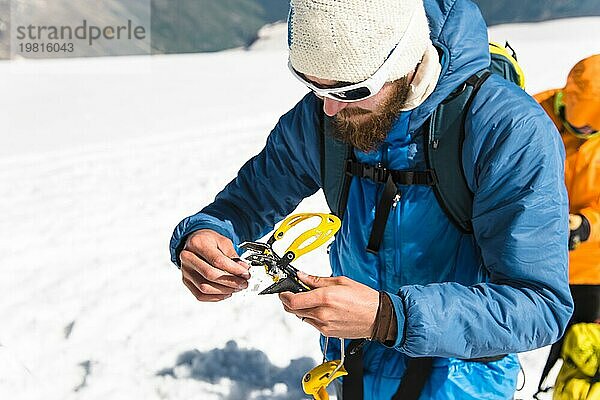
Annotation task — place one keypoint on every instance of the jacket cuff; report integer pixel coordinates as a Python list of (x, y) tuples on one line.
[(592, 216), (194, 223), (585, 228), (385, 328), (398, 304)]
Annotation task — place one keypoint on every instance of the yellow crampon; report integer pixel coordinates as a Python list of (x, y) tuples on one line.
[(316, 380), (279, 268), (312, 238)]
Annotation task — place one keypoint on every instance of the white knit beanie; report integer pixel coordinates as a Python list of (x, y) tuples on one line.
[(348, 40)]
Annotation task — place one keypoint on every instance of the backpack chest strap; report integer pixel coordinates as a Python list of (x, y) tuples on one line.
[(390, 178), (380, 174)]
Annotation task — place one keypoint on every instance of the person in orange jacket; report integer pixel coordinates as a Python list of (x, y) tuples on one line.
[(575, 110)]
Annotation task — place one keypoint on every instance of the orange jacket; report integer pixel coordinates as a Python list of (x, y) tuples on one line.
[(582, 177)]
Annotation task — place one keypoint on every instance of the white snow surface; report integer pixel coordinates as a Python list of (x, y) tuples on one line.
[(100, 158)]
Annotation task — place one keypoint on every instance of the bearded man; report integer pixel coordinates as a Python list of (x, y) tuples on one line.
[(377, 69)]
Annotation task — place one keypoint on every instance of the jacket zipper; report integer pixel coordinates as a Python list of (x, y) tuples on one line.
[(382, 266), (397, 235)]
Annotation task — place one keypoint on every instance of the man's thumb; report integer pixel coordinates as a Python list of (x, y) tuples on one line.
[(575, 222), (315, 281)]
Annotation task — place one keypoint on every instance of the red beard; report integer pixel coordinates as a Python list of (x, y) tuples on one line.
[(365, 129)]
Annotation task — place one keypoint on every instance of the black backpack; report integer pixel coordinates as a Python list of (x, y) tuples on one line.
[(444, 172)]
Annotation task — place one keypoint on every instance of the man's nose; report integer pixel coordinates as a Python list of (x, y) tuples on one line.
[(332, 107)]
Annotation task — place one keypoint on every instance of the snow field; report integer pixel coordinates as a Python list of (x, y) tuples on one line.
[(100, 158)]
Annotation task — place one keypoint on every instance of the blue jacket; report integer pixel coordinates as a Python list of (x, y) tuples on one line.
[(502, 290)]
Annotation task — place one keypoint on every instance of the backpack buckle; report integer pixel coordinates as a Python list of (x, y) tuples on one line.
[(377, 173), (381, 173)]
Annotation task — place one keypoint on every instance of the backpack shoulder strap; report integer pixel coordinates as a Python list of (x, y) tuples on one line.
[(445, 134), (503, 62), (335, 181), (444, 142)]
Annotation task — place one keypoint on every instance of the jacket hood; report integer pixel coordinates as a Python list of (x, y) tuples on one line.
[(459, 32), (582, 93)]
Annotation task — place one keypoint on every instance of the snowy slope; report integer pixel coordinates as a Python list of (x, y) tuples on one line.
[(99, 159)]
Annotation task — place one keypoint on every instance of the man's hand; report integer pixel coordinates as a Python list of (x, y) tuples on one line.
[(575, 221), (337, 307), (207, 267), (579, 228)]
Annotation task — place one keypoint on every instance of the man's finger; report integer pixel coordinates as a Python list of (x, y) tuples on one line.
[(226, 247), (208, 287), (314, 323), (310, 313), (296, 313), (204, 297), (575, 221), (217, 259), (306, 300), (209, 251), (317, 281), (190, 262)]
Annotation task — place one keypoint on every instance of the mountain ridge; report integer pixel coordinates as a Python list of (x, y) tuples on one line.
[(190, 26)]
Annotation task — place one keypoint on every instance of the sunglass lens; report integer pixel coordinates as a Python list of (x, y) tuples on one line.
[(586, 131), (352, 95)]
